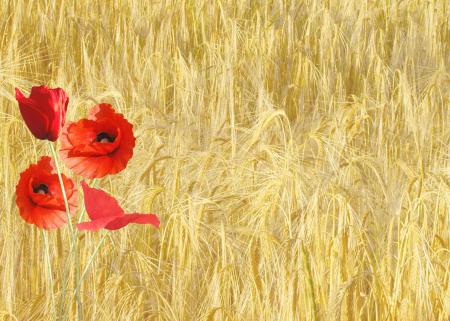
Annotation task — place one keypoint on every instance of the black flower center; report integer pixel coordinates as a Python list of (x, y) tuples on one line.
[(104, 137), (41, 189)]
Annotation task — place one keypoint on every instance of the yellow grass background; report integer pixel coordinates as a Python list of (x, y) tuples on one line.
[(297, 153)]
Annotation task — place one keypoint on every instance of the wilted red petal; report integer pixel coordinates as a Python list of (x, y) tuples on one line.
[(105, 212), (122, 221), (95, 225), (100, 204)]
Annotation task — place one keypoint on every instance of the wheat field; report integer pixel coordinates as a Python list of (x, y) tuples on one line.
[(297, 153)]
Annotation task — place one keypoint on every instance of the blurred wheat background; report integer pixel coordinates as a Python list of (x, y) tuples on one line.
[(297, 153)]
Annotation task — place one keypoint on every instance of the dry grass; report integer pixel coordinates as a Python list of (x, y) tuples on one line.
[(296, 151)]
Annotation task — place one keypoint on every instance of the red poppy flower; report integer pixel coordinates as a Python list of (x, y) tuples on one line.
[(105, 212), (100, 145), (39, 196), (44, 112)]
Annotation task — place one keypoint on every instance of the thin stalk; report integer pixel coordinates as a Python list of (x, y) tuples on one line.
[(49, 267), (310, 282), (73, 234), (63, 290), (91, 258), (63, 189)]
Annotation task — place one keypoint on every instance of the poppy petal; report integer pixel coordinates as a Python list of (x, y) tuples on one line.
[(101, 111), (100, 204), (44, 111), (95, 148), (95, 225), (53, 103), (122, 221), (105, 212), (100, 145), (35, 120), (39, 197)]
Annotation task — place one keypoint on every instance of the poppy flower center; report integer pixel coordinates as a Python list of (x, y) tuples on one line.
[(41, 189), (104, 137)]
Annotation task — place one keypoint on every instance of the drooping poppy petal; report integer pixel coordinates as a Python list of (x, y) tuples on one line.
[(100, 145), (39, 196), (99, 204), (44, 112), (136, 218), (105, 212), (95, 225)]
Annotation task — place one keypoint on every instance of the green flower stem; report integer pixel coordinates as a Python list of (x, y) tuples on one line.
[(74, 237), (91, 258), (49, 267), (63, 190)]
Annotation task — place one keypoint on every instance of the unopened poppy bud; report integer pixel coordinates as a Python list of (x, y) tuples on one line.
[(44, 112)]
